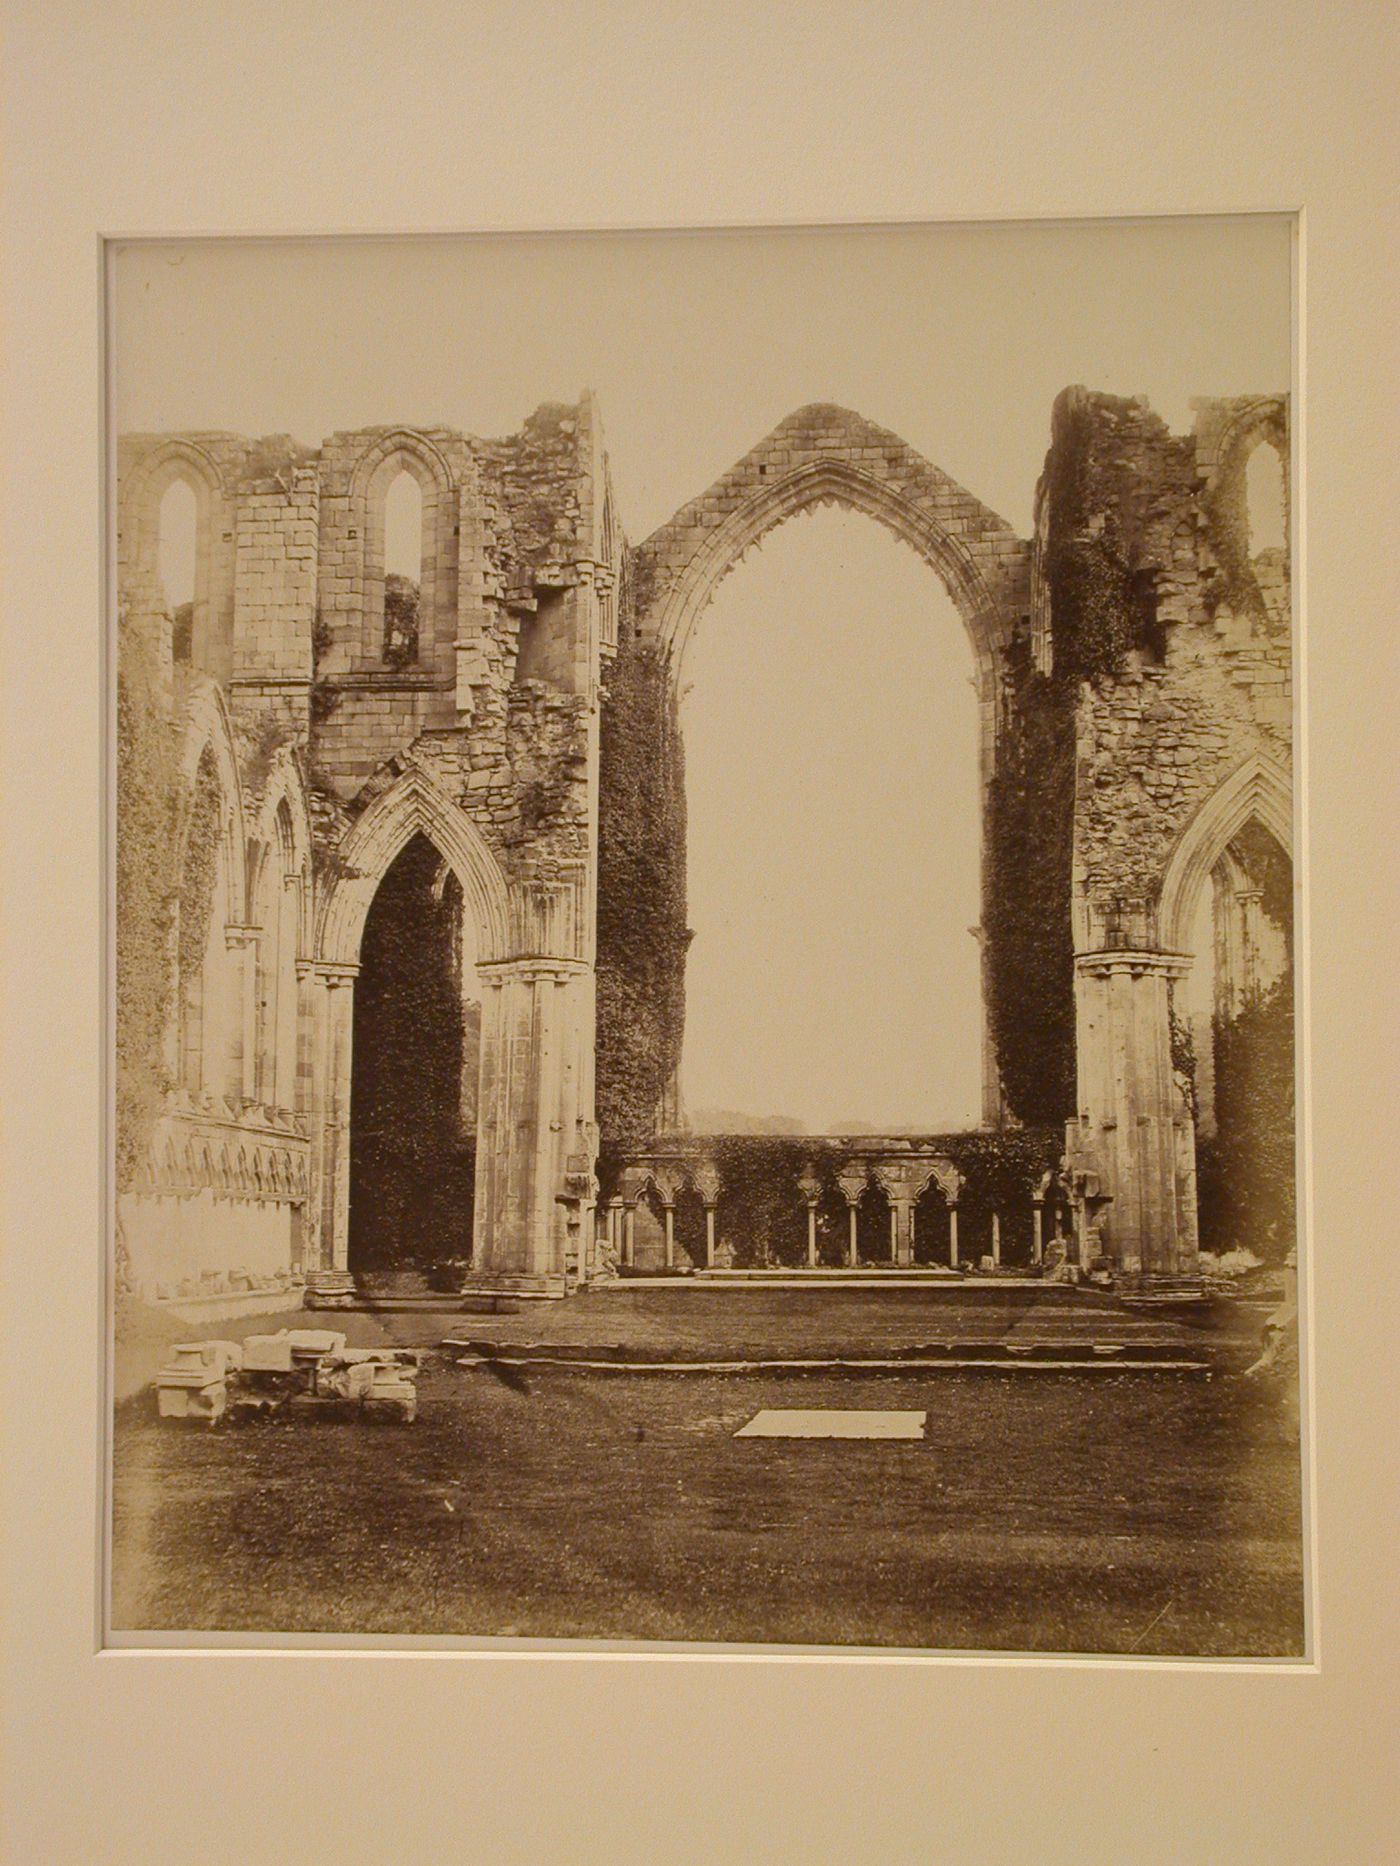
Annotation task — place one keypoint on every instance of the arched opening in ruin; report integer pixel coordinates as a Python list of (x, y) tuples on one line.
[(1235, 1040), (874, 1236), (1266, 500), (177, 563), (833, 984), (415, 1070), (403, 569)]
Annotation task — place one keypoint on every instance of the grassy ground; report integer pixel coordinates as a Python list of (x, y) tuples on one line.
[(1116, 1512)]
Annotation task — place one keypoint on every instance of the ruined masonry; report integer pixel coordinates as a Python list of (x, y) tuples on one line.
[(285, 741)]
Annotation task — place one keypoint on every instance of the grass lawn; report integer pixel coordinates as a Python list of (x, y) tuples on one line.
[(1108, 1512)]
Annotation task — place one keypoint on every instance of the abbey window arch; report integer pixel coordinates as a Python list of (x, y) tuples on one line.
[(406, 631), (175, 549)]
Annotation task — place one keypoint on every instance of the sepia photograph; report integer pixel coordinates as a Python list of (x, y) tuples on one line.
[(706, 936)]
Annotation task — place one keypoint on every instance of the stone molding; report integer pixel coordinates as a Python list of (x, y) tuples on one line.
[(253, 1153)]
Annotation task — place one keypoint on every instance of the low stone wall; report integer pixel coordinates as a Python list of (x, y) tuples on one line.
[(206, 1245)]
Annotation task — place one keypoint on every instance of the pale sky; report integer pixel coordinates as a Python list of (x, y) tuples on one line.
[(833, 843)]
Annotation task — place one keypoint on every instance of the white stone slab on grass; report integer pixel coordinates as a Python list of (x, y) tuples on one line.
[(843, 1422)]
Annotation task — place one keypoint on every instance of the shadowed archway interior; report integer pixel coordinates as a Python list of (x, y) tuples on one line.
[(415, 1065)]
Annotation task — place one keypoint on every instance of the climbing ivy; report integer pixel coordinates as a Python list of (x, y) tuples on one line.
[(1117, 484), (146, 890), (1030, 848), (642, 935), (203, 832), (1245, 1171)]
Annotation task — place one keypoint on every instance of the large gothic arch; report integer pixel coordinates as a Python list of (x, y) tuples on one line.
[(413, 805), (822, 455), (827, 455)]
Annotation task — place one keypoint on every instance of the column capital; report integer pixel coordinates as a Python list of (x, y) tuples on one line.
[(1137, 963), (853, 1180), (532, 970), (329, 972), (241, 936)]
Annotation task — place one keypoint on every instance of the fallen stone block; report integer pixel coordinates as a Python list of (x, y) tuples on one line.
[(392, 1395), (180, 1400), (268, 1353), (344, 1381), (310, 1346), (383, 1357), (192, 1383)]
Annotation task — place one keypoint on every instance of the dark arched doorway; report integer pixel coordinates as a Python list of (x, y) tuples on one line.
[(414, 1072)]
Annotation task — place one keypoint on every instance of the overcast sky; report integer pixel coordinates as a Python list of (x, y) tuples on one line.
[(833, 844)]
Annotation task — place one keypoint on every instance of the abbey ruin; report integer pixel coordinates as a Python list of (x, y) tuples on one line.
[(401, 869)]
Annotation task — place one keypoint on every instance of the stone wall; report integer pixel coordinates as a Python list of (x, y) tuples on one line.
[(1179, 643), (1166, 721), (486, 741)]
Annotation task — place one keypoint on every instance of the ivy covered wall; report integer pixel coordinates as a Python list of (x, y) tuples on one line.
[(147, 885), (642, 932), (1030, 853)]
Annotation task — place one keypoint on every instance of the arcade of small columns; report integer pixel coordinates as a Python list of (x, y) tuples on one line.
[(902, 1178)]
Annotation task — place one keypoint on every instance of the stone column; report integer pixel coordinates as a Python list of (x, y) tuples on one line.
[(706, 1181), (525, 1126), (1044, 1189), (333, 1006), (1249, 902), (241, 1070), (668, 1184), (952, 1234), (996, 1238), (852, 1181), (810, 1186), (1128, 1132)]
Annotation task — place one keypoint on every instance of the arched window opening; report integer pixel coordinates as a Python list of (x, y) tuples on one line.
[(403, 569), (837, 896), (1266, 503), (177, 561), (1239, 1000), (415, 1058)]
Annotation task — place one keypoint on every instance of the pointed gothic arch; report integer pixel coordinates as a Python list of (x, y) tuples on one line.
[(824, 455), (403, 450), (1257, 790), (414, 805), (143, 491)]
